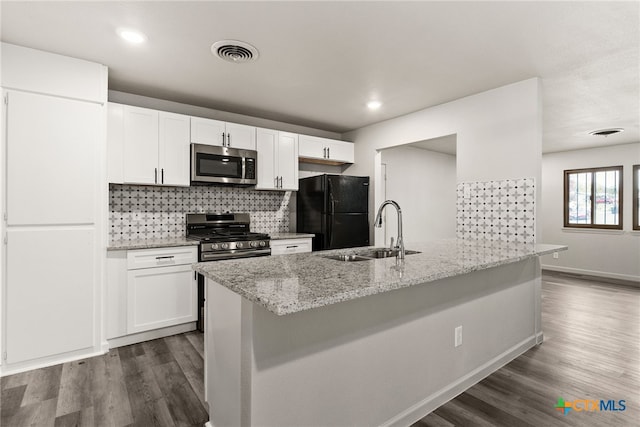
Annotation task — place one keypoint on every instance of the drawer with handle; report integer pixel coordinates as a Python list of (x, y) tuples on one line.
[(161, 257), (290, 246)]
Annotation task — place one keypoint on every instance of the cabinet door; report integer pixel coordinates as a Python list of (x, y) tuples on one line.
[(266, 144), (140, 145), (287, 160), (115, 143), (52, 149), (160, 297), (290, 246), (311, 147), (173, 149), (340, 151), (207, 131), (49, 302), (241, 136)]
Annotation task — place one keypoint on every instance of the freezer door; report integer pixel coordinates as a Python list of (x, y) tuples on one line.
[(347, 194), (347, 231)]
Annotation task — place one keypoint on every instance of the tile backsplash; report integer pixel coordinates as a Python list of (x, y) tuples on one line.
[(497, 210), (150, 212)]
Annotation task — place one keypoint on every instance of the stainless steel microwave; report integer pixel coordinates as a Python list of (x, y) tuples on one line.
[(222, 165)]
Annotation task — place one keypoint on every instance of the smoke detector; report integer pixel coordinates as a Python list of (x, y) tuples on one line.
[(606, 132), (234, 51)]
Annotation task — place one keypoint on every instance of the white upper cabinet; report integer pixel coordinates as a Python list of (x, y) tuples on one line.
[(313, 149), (140, 145), (147, 146), (174, 149), (223, 134), (277, 160)]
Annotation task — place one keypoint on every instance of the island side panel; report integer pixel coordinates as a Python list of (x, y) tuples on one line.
[(223, 355), (388, 359)]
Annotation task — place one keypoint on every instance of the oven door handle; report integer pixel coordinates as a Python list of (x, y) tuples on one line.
[(233, 254)]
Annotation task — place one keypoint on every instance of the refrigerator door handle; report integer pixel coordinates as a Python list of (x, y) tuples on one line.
[(332, 202)]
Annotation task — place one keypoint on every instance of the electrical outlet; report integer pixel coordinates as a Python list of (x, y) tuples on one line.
[(137, 217), (466, 190), (555, 255), (458, 336)]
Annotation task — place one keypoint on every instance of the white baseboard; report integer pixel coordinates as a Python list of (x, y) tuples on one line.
[(16, 368), (151, 335), (604, 274), (442, 396)]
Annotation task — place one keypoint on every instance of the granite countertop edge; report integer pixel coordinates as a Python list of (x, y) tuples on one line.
[(125, 245), (373, 288)]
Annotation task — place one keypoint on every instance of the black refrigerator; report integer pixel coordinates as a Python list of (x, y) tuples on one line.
[(336, 209)]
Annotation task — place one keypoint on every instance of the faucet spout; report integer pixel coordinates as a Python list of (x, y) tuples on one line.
[(378, 223)]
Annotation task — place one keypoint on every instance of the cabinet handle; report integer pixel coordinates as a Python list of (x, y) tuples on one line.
[(324, 153), (276, 182), (165, 257), (279, 182), (291, 247), (228, 140), (328, 152), (155, 175), (162, 175), (224, 144)]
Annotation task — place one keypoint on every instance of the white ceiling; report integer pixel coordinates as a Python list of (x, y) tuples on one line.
[(320, 62)]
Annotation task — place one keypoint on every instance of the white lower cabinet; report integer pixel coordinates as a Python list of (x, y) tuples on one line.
[(290, 246), (150, 289)]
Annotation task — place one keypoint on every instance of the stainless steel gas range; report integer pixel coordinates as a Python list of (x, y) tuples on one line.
[(223, 236)]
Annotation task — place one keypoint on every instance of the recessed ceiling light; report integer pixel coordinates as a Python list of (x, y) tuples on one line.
[(374, 105), (606, 132), (132, 36)]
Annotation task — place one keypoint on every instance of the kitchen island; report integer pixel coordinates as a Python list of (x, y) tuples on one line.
[(306, 340)]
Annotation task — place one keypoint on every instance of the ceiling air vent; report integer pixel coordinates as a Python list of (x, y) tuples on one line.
[(234, 51), (606, 132)]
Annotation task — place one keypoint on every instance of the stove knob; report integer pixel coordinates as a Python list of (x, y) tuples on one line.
[(239, 245), (263, 243), (214, 246), (254, 244), (225, 246)]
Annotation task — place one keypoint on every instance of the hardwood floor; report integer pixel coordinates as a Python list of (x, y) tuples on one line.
[(155, 383), (591, 351)]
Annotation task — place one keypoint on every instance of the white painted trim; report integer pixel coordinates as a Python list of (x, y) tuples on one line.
[(48, 361), (592, 230), (581, 271), (151, 335), (442, 396)]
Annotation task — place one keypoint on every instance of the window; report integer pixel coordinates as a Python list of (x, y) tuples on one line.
[(636, 197), (593, 198)]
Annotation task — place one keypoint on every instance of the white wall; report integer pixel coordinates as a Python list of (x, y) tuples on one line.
[(499, 136), (423, 183), (607, 253)]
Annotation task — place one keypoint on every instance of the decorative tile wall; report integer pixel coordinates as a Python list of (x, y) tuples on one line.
[(497, 210), (149, 212)]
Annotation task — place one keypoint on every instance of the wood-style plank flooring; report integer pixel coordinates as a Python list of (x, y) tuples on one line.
[(591, 351)]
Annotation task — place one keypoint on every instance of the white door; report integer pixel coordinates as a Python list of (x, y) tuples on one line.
[(174, 149), (340, 151), (160, 297), (287, 160), (49, 305), (207, 131), (312, 147), (266, 145), (241, 136), (51, 151), (140, 145)]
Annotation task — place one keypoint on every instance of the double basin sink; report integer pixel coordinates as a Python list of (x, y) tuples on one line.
[(368, 254)]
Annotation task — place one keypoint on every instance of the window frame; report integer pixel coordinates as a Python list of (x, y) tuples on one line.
[(591, 225), (636, 189)]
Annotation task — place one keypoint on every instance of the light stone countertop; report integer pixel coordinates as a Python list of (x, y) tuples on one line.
[(289, 284), (123, 245)]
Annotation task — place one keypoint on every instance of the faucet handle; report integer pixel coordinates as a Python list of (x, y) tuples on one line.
[(391, 244)]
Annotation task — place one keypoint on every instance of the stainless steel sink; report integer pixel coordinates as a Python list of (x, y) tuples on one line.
[(369, 254), (348, 258)]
